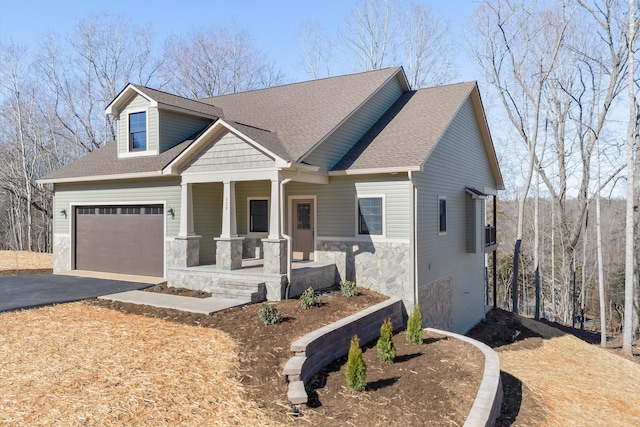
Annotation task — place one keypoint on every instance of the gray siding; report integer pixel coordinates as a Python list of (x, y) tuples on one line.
[(336, 203), (159, 190), (227, 153), (458, 161), (244, 190), (176, 127), (338, 144), (207, 218), (138, 102)]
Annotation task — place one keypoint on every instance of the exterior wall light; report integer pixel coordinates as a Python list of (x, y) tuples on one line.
[(64, 212), (171, 213)]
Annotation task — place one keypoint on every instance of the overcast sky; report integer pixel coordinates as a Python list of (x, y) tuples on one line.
[(274, 24)]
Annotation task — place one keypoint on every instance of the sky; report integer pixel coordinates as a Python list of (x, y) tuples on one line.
[(275, 25)]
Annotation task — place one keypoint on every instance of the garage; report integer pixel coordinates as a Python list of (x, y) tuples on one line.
[(120, 239)]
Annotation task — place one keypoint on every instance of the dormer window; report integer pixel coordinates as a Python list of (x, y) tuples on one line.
[(138, 131)]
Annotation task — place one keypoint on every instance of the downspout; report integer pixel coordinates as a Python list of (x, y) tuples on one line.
[(286, 236), (414, 235)]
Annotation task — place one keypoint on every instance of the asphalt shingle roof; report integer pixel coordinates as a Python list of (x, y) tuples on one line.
[(302, 114), (405, 135), (178, 101)]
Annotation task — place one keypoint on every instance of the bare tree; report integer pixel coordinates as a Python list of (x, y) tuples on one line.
[(85, 70), (215, 61), (317, 48), (633, 130), (369, 34), (518, 51), (426, 46)]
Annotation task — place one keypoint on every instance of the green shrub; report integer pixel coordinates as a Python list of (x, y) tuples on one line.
[(414, 326), (158, 287), (356, 369), (348, 288), (269, 314), (309, 299), (386, 349)]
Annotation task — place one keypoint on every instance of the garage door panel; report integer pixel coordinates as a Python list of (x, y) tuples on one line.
[(120, 242)]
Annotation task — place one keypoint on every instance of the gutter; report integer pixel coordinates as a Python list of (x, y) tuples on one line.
[(286, 236), (414, 226)]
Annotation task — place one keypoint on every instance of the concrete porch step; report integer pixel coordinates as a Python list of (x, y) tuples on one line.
[(241, 284), (246, 295)]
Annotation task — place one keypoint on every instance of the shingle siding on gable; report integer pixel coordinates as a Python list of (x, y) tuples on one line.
[(137, 103), (458, 161), (176, 127), (227, 153), (340, 142)]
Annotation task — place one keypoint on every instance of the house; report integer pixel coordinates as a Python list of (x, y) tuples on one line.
[(263, 193)]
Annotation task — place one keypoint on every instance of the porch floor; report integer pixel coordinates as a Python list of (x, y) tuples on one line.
[(255, 266)]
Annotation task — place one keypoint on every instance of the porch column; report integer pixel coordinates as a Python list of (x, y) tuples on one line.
[(184, 250), (229, 245), (274, 212), (186, 211), (229, 228)]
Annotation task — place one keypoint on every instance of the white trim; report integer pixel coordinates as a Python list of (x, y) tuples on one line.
[(384, 215), (315, 220), (446, 218), (146, 151), (138, 154), (258, 234), (371, 171), (374, 238), (72, 229), (135, 175), (231, 175), (121, 96)]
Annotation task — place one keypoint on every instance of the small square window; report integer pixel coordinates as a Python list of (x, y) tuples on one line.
[(370, 215), (258, 216), (442, 215), (153, 210), (138, 131)]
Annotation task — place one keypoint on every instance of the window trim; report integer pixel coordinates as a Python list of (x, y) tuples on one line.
[(263, 234), (383, 213), (146, 130), (440, 232)]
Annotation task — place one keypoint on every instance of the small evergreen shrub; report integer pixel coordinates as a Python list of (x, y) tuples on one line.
[(348, 288), (309, 299), (386, 349), (356, 369), (269, 314), (158, 287), (414, 326)]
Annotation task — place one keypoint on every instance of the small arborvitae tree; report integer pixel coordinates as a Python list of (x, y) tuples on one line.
[(414, 326), (386, 349), (356, 369)]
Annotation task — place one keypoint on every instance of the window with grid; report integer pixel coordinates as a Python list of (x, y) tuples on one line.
[(370, 215), (138, 131)]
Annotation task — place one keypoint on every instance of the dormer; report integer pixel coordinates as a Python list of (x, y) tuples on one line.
[(150, 122)]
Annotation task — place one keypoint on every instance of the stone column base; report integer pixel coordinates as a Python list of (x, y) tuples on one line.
[(229, 253), (183, 251), (275, 256)]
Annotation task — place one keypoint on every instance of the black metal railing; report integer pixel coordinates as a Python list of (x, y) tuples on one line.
[(490, 236)]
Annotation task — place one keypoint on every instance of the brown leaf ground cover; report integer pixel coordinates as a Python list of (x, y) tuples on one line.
[(22, 262), (552, 378)]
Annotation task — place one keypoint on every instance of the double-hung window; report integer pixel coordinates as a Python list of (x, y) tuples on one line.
[(258, 216), (370, 215), (138, 131)]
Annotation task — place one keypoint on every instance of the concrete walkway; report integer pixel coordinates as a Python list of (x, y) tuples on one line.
[(176, 302)]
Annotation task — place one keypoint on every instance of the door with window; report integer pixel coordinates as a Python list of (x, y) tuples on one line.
[(303, 229)]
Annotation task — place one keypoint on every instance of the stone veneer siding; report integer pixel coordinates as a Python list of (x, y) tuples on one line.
[(436, 303), (384, 267), (183, 252)]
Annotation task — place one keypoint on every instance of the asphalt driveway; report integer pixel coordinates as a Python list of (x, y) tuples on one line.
[(18, 292)]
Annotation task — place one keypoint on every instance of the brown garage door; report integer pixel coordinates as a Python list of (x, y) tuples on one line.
[(120, 239)]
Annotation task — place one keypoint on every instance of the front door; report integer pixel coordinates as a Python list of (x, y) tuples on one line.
[(303, 229)]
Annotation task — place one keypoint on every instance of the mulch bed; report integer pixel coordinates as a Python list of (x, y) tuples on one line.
[(164, 289), (434, 383)]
